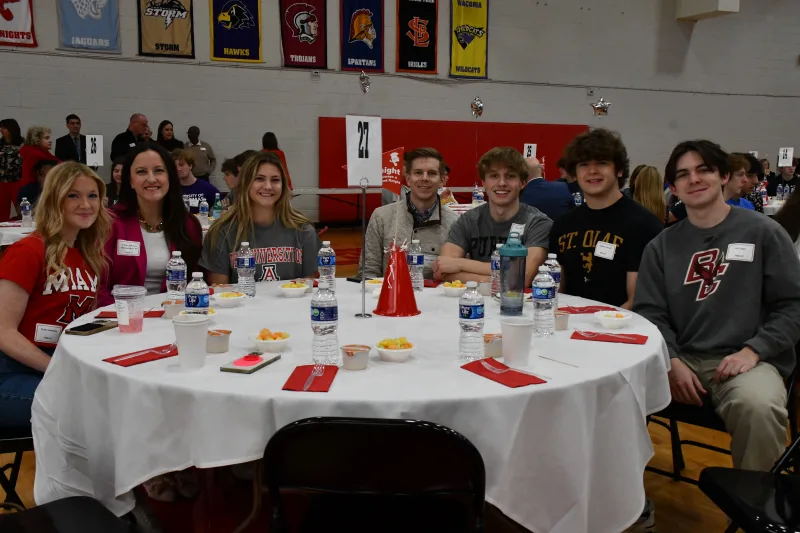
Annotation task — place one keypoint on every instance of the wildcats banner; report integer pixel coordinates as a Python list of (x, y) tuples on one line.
[(304, 33), (362, 35), (236, 30), (16, 23), (166, 28), (417, 36), (469, 22), (89, 25)]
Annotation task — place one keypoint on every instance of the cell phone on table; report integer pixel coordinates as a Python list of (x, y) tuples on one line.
[(90, 328)]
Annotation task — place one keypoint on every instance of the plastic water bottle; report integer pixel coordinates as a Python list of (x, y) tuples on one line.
[(416, 264), (544, 303), (27, 215), (326, 265), (176, 277), (555, 272), (496, 270), (779, 193), (196, 300), (477, 194), (216, 211), (577, 199), (324, 324), (763, 193), (202, 213), (470, 318), (246, 270)]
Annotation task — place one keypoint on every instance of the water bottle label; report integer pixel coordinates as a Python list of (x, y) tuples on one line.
[(176, 275), (324, 314), (196, 300), (556, 276), (471, 312), (495, 264), (245, 262), (544, 293), (326, 260), (415, 259)]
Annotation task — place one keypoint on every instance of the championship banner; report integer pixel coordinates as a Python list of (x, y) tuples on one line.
[(417, 36), (304, 33), (166, 28), (362, 35), (16, 23), (89, 26), (469, 22), (236, 30)]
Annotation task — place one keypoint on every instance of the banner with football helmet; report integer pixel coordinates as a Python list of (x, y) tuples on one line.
[(362, 35), (469, 24), (417, 36), (236, 30), (166, 28), (304, 33)]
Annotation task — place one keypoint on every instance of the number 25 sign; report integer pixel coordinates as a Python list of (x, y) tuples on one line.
[(364, 150)]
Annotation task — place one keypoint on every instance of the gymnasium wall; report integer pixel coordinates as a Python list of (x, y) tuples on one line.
[(734, 79)]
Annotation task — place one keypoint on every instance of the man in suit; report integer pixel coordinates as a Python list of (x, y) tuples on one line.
[(72, 146), (550, 197), (128, 138)]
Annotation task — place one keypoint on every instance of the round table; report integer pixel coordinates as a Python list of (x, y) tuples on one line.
[(558, 456), (11, 234), (772, 207)]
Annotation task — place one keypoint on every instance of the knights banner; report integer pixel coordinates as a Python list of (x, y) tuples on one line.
[(89, 26), (469, 22), (362, 35), (304, 33), (417, 36), (392, 161), (16, 23), (236, 30), (166, 28)]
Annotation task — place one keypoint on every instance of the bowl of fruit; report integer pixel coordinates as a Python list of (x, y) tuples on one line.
[(613, 319), (271, 341), (374, 284), (294, 289), (454, 288), (229, 298), (394, 350)]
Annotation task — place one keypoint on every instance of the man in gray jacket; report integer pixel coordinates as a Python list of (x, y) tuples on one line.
[(417, 215), (721, 286)]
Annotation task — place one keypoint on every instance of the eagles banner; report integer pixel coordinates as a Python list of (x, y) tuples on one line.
[(16, 23), (303, 33), (166, 28), (236, 30), (362, 35), (417, 36), (90, 25), (469, 22)]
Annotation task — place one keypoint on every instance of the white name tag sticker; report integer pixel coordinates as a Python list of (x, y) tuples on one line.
[(203, 149), (129, 248), (517, 228), (47, 333), (739, 251), (132, 145), (606, 250)]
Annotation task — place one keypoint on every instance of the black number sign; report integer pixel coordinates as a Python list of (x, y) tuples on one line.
[(363, 140), (94, 146)]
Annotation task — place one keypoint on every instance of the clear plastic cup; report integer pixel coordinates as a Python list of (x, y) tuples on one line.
[(191, 334), (129, 301)]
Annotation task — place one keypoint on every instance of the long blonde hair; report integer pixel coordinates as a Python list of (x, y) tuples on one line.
[(240, 213), (649, 192), (49, 217)]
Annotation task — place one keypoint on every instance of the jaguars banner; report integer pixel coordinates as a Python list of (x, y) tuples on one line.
[(417, 36), (304, 34), (469, 22), (89, 25), (236, 30), (362, 35), (166, 28)]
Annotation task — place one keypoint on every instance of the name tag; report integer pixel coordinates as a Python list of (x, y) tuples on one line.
[(740, 251), (203, 149), (47, 333), (132, 144), (517, 228), (606, 250), (129, 248)]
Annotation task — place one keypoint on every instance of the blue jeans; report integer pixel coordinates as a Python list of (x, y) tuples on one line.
[(17, 385)]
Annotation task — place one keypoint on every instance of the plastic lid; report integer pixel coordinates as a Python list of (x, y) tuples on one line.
[(128, 291), (24, 199), (245, 243), (322, 285), (176, 254), (472, 284), (498, 245), (326, 243), (551, 256), (414, 241), (513, 247), (197, 275)]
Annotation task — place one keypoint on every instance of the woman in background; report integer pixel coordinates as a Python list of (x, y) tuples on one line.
[(10, 165), (37, 148), (166, 136), (649, 191), (630, 191), (789, 218), (116, 182), (269, 142)]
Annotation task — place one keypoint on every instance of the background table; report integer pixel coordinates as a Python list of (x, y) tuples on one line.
[(772, 207), (11, 234), (559, 456)]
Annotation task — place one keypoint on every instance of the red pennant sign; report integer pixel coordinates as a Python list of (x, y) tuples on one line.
[(392, 169)]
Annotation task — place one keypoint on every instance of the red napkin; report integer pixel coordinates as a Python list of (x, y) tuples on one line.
[(432, 283), (147, 314), (588, 309), (510, 378), (322, 383), (145, 357), (623, 338)]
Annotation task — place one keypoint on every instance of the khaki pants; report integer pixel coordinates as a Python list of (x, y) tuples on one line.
[(753, 406)]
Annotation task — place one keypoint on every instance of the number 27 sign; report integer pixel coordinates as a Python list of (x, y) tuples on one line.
[(364, 150)]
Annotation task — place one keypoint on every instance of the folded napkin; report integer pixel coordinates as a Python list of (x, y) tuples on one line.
[(300, 376), (585, 310), (152, 354), (506, 376), (10, 224), (623, 338), (147, 314), (432, 283)]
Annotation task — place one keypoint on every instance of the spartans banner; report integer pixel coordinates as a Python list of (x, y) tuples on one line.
[(362, 35), (304, 34), (417, 36), (469, 22), (90, 26), (166, 28), (236, 30)]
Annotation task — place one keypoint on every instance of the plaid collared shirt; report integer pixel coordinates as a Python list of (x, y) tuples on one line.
[(421, 217)]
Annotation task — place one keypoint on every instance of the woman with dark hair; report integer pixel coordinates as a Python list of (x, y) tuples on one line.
[(166, 136), (789, 218), (10, 165), (269, 142), (631, 190), (112, 191), (150, 223)]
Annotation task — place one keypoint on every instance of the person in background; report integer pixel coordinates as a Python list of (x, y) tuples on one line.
[(786, 177), (37, 147), (789, 218), (630, 190), (150, 222), (649, 191), (193, 189), (445, 194), (147, 136), (128, 138), (571, 181), (205, 162), (10, 165), (269, 143), (241, 158), (33, 190), (550, 197), (733, 190), (230, 173), (284, 241), (166, 137), (115, 185), (765, 169), (72, 146), (754, 176), (47, 280)]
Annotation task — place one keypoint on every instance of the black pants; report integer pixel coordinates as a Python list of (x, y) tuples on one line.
[(203, 177)]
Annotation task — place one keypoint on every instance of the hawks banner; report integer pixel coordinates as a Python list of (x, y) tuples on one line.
[(469, 22), (236, 30), (417, 36), (89, 25), (304, 33), (16, 23), (166, 28), (362, 35)]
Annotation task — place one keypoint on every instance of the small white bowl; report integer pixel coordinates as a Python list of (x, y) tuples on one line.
[(232, 301), (394, 356), (291, 292), (608, 320), (355, 356), (454, 291), (276, 346)]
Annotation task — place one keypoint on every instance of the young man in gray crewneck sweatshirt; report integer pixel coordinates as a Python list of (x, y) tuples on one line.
[(721, 285)]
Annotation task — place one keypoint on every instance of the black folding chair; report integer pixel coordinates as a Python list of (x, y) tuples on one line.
[(79, 514), (15, 441), (376, 475)]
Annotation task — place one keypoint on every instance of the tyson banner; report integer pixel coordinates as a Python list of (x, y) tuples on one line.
[(236, 30), (417, 36), (362, 35), (16, 23), (166, 28), (304, 33), (469, 22)]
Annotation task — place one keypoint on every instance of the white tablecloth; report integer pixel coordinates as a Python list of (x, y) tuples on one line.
[(563, 457), (772, 207), (9, 234)]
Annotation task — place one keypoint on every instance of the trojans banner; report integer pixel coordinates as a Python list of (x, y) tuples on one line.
[(16, 23), (469, 24), (236, 30), (362, 35), (417, 36), (166, 28), (91, 26), (304, 33)]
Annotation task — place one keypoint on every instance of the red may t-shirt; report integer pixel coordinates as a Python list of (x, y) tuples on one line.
[(53, 301)]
